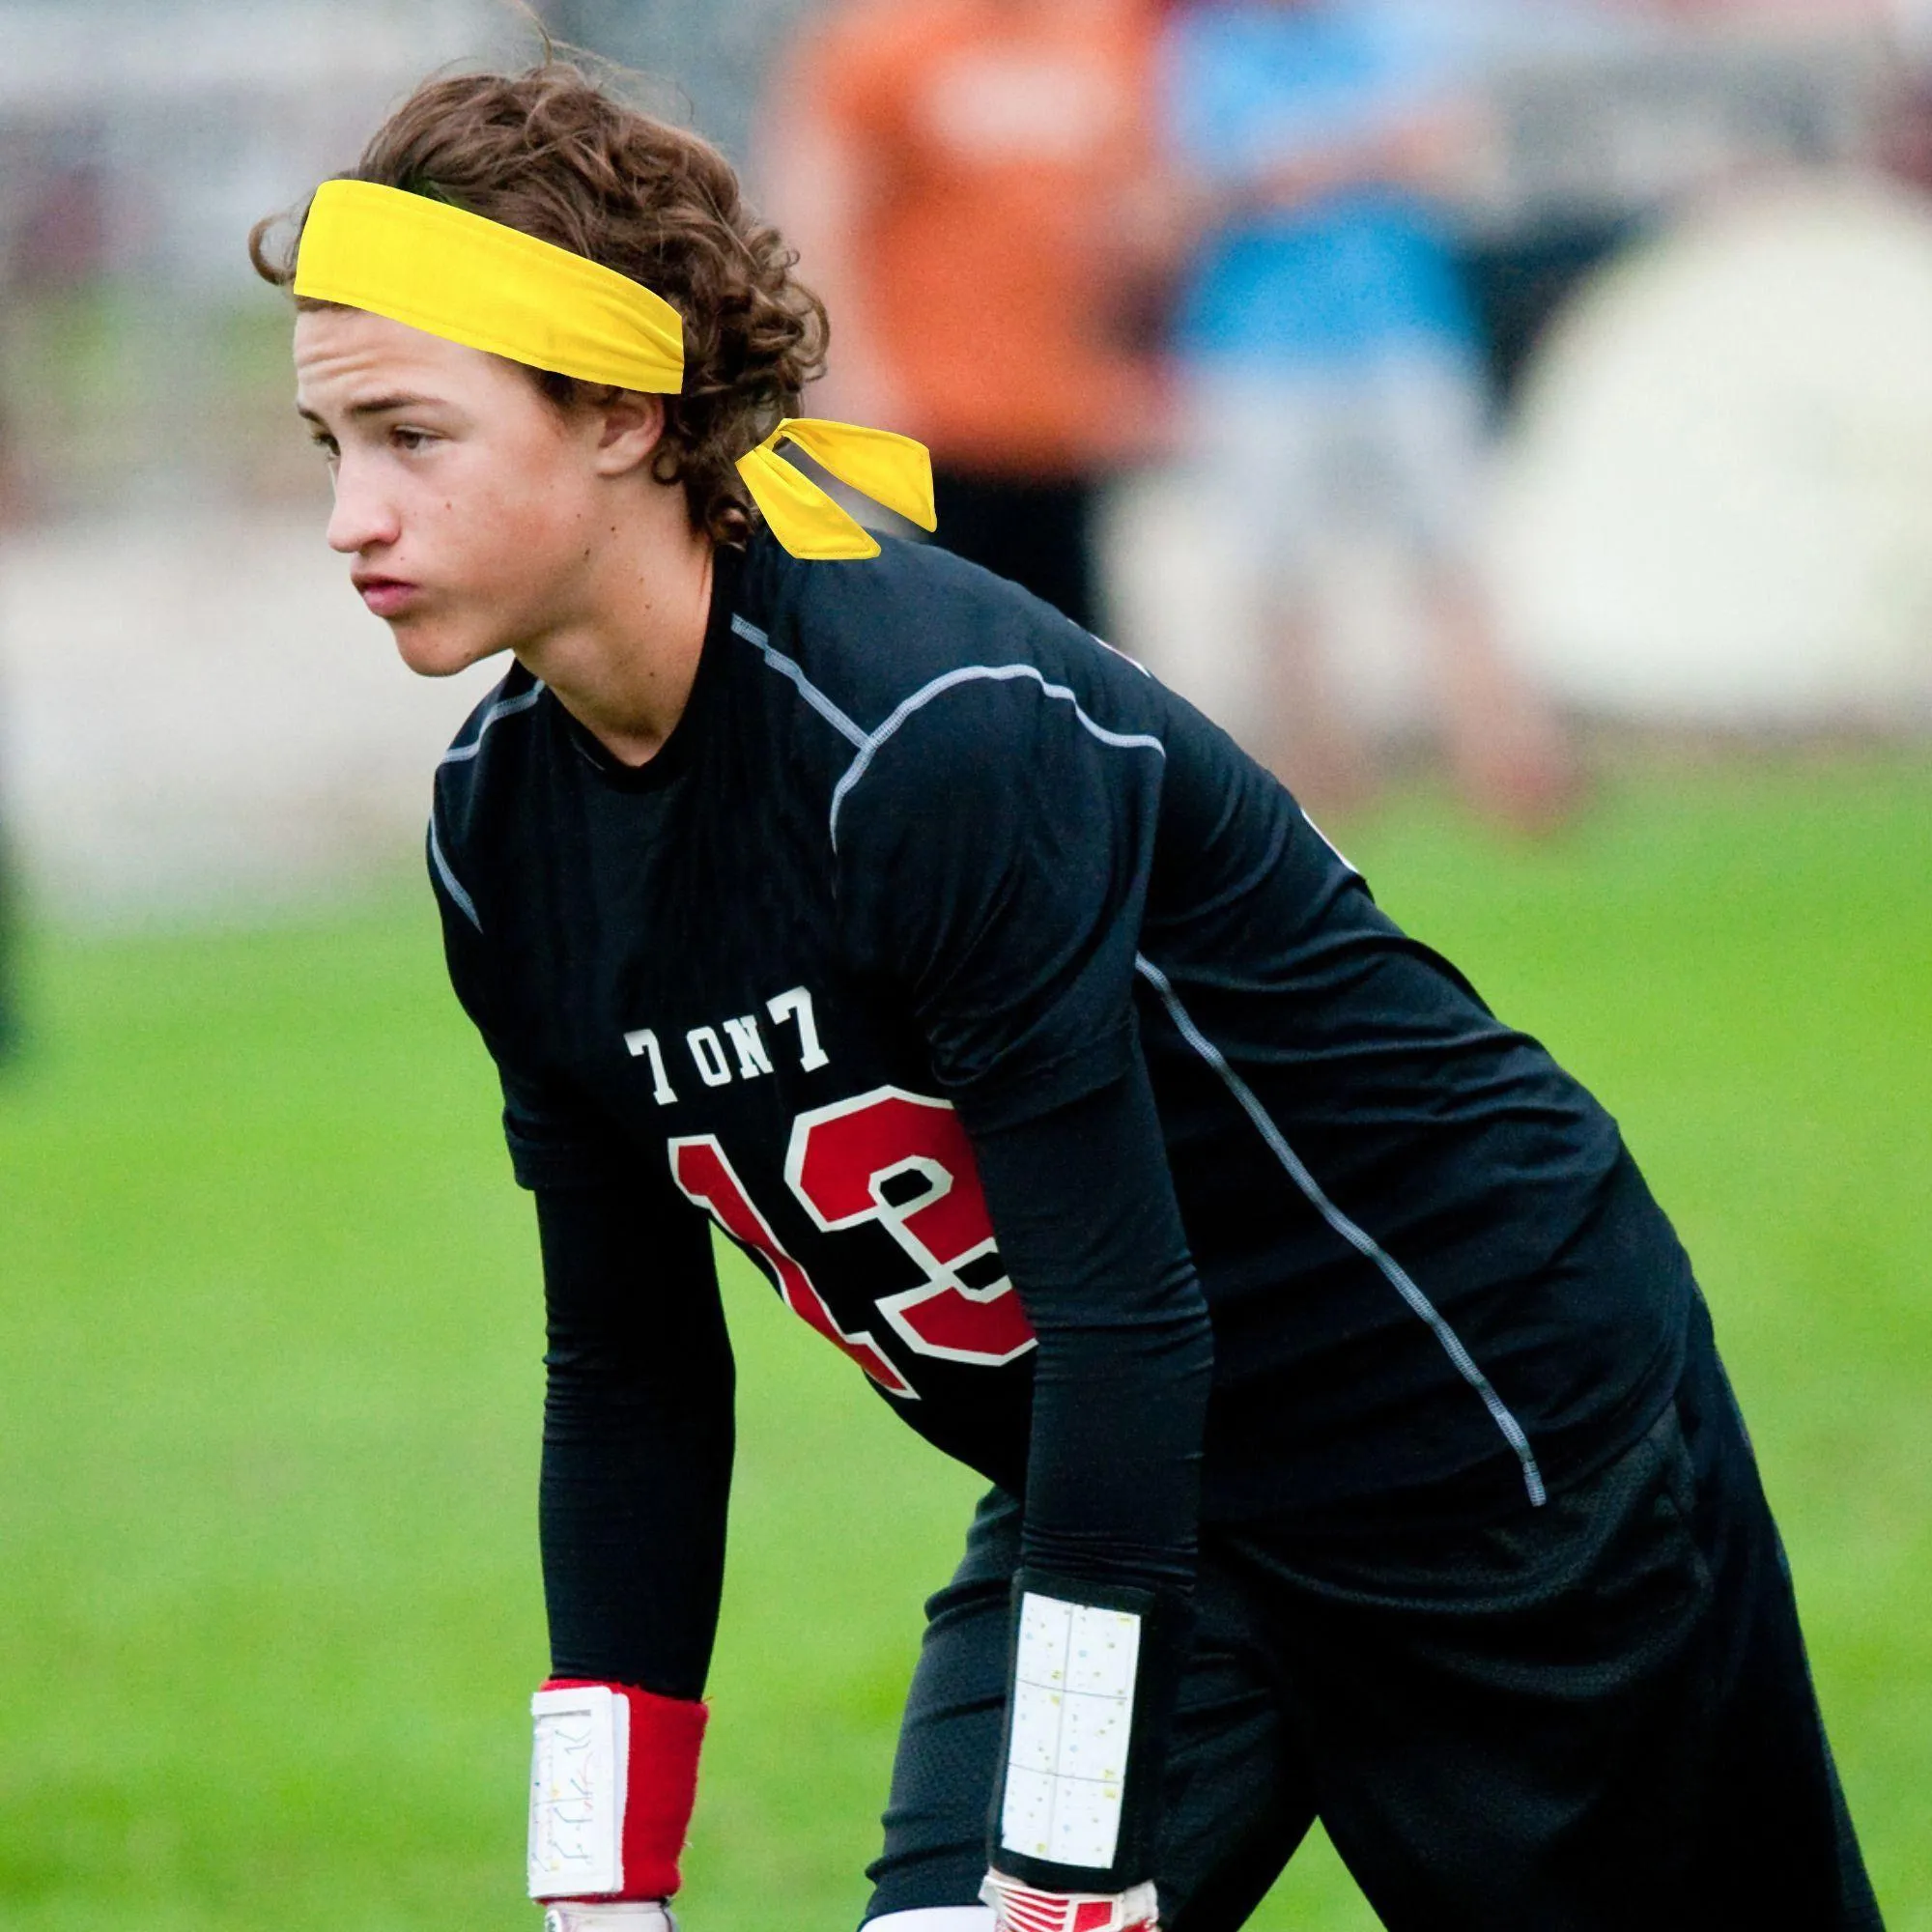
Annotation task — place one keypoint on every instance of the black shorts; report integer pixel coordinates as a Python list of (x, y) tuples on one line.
[(1597, 1714)]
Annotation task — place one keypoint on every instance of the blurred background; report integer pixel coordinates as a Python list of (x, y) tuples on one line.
[(1512, 418)]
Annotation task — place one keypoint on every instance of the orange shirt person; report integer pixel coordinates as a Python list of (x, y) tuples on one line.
[(959, 177)]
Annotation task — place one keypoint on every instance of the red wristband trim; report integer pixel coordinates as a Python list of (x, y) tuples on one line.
[(660, 1775)]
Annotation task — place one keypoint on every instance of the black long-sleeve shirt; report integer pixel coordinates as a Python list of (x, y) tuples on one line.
[(1052, 1065)]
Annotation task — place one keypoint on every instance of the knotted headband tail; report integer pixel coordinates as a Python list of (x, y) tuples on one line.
[(469, 279), (889, 468)]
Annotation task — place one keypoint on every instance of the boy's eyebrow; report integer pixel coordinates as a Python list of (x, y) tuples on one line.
[(375, 406)]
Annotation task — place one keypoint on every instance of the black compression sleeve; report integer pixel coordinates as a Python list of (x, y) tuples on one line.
[(1092, 1236), (638, 1441)]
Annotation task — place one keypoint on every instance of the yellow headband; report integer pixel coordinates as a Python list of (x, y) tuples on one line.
[(471, 280)]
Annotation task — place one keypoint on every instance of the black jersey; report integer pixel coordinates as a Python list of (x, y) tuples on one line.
[(960, 972)]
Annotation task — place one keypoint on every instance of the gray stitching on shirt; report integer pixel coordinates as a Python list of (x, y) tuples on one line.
[(809, 692), (508, 708), (450, 883), (869, 743), (1357, 1238)]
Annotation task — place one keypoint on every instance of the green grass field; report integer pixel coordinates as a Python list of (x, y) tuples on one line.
[(270, 1329)]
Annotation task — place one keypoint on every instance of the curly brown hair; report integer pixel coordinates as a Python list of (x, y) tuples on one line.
[(550, 152)]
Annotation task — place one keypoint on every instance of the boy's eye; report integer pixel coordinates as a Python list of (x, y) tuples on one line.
[(412, 439)]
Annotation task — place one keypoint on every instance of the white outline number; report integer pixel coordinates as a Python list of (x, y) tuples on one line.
[(903, 1160), (702, 1170)]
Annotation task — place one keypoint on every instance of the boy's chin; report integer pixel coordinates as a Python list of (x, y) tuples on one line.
[(432, 650)]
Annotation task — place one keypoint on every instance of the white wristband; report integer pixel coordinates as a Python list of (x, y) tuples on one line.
[(579, 1776), (1072, 1722), (627, 1915)]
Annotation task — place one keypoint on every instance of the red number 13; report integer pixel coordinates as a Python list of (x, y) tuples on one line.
[(902, 1160)]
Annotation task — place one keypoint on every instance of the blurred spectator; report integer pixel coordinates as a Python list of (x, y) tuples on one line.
[(56, 242), (1906, 135), (13, 506), (61, 238), (1521, 278), (1333, 379), (960, 177)]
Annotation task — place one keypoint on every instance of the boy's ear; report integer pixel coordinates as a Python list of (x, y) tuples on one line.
[(629, 428)]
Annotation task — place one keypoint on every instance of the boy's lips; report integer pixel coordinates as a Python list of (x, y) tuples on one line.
[(385, 595)]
